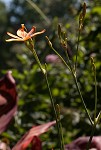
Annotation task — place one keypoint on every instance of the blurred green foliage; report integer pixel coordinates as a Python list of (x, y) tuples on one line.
[(34, 106)]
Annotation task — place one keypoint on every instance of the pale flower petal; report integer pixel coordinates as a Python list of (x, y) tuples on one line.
[(12, 35), (10, 40), (38, 33), (32, 30), (21, 33)]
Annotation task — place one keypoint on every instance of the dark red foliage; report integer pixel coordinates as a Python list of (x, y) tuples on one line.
[(36, 144), (31, 137), (8, 100), (81, 143)]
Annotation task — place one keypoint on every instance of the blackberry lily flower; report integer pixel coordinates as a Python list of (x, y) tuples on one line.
[(22, 35)]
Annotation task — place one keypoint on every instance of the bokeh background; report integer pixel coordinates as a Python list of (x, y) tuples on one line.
[(34, 106)]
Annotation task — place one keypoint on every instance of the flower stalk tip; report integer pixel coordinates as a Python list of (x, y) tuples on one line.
[(49, 42), (82, 17)]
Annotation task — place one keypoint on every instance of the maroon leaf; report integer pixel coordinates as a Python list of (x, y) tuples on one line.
[(81, 143), (32, 137), (8, 100), (36, 144)]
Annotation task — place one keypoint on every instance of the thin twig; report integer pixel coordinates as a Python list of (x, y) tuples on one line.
[(77, 49), (74, 77), (55, 112)]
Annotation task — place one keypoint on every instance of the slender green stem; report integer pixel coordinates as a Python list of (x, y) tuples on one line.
[(56, 114), (95, 119), (38, 61), (59, 123), (51, 98), (61, 133), (91, 137), (75, 80), (78, 89), (95, 93), (98, 118), (61, 58), (78, 40), (50, 44), (77, 86)]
